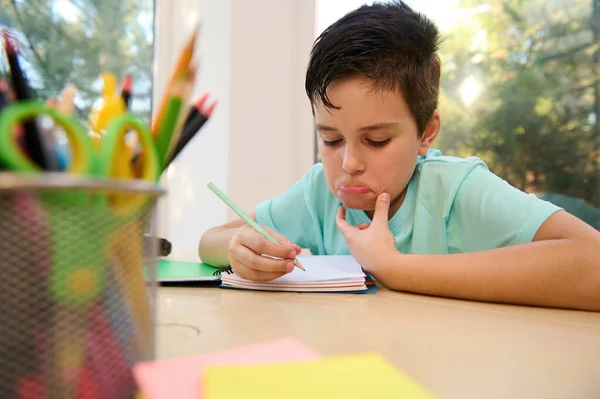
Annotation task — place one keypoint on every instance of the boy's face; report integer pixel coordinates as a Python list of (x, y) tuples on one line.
[(370, 145)]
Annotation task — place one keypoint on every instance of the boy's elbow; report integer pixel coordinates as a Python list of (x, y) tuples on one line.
[(200, 248), (589, 290), (595, 280), (204, 247), (590, 300), (213, 247)]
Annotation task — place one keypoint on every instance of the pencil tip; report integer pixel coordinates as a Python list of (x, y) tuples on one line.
[(194, 36), (200, 102), (208, 112), (127, 83), (9, 43)]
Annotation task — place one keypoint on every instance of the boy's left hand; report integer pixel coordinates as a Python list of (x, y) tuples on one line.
[(371, 244)]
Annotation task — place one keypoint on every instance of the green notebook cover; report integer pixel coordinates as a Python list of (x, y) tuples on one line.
[(169, 270)]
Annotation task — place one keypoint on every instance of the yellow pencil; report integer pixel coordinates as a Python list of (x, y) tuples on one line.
[(182, 67), (189, 82)]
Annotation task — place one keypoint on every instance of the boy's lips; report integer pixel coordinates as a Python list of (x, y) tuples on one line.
[(354, 190)]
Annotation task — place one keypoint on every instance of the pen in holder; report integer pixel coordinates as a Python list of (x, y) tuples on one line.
[(77, 284)]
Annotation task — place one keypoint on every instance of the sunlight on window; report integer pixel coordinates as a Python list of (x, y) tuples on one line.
[(470, 90), (66, 9)]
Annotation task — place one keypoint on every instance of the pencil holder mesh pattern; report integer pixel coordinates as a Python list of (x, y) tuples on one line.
[(76, 286)]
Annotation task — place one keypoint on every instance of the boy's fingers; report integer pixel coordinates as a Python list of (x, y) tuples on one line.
[(281, 238), (284, 240), (340, 221), (382, 208), (261, 245), (255, 275), (363, 226), (252, 260)]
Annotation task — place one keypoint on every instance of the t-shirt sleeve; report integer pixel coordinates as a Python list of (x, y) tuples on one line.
[(292, 213), (489, 213)]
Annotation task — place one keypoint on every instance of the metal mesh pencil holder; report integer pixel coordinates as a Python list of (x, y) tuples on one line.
[(77, 282)]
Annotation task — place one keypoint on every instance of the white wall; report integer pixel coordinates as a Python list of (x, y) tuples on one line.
[(259, 141), (270, 120)]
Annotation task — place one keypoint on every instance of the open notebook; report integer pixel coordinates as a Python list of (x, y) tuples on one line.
[(329, 273)]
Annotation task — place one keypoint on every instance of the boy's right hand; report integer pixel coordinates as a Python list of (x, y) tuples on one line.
[(246, 250)]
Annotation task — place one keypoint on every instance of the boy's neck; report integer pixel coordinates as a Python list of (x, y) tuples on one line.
[(395, 204)]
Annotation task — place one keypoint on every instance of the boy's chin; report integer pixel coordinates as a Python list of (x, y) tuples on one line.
[(360, 205)]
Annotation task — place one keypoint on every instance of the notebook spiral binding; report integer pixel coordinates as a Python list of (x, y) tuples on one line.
[(226, 269)]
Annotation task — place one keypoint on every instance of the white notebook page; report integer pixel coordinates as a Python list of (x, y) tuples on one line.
[(319, 268)]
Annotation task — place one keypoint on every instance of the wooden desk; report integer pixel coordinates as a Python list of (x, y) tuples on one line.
[(457, 349)]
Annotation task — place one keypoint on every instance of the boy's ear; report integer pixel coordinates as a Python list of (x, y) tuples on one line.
[(431, 131)]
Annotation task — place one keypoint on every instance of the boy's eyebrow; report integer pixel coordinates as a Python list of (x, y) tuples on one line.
[(369, 128), (324, 128), (378, 126)]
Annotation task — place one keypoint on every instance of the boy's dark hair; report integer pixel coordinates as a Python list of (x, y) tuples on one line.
[(389, 44)]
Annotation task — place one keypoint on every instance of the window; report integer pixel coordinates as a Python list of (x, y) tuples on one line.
[(520, 89), (75, 41)]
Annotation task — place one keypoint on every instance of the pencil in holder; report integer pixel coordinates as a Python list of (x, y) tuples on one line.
[(77, 285)]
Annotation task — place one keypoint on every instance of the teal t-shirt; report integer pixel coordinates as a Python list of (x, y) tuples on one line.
[(452, 205)]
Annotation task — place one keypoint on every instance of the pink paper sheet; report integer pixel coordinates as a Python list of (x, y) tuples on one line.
[(181, 378)]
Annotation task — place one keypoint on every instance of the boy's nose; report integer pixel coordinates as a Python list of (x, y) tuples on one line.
[(352, 162)]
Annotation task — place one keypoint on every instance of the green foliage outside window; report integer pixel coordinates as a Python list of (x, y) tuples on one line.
[(76, 40), (535, 120)]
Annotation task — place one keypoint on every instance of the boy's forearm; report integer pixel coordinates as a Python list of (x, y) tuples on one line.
[(556, 273), (214, 246)]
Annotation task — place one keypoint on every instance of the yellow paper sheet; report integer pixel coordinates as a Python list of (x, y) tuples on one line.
[(354, 376)]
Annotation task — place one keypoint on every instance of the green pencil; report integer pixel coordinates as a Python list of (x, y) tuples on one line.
[(169, 124), (246, 218)]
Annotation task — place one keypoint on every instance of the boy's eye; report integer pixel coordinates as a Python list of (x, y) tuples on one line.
[(378, 143), (332, 143)]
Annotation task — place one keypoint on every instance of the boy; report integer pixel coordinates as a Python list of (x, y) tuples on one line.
[(414, 219)]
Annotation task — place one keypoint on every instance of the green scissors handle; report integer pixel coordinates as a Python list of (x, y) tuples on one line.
[(11, 153)]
